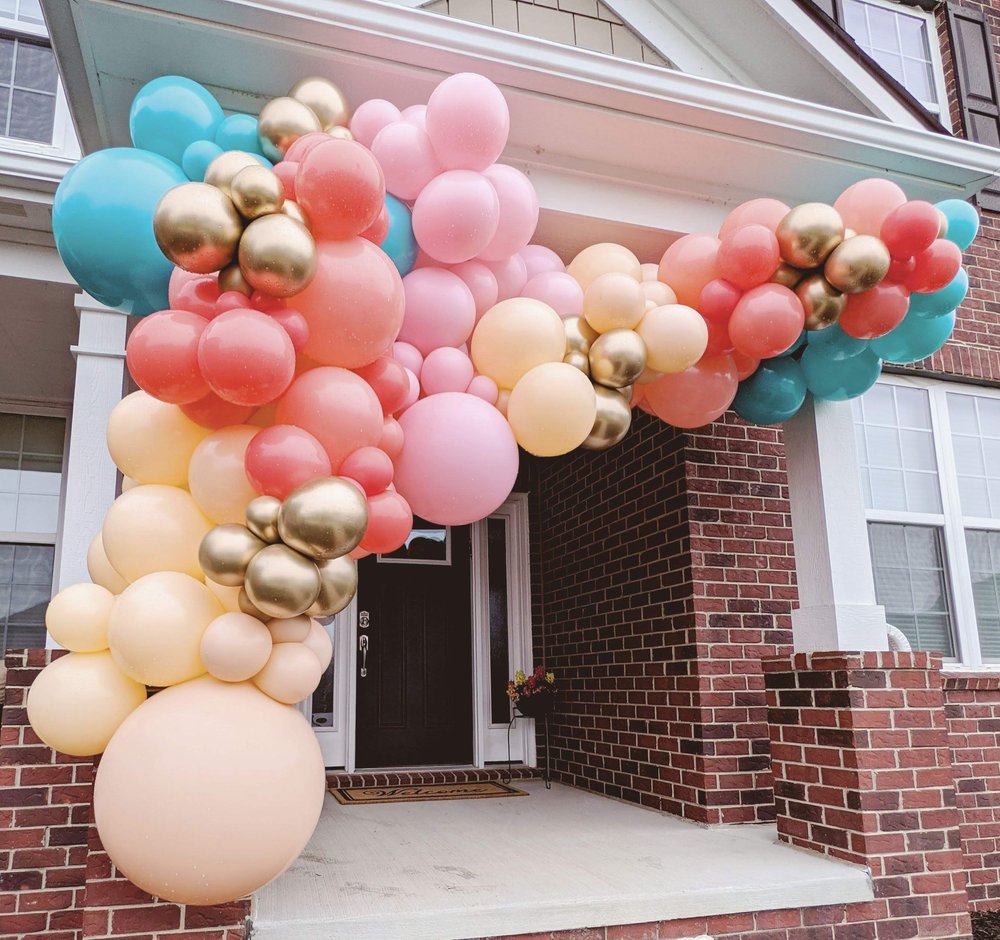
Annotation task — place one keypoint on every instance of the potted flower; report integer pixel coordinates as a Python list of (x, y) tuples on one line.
[(533, 696)]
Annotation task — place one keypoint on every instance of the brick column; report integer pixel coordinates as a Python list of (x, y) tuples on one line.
[(862, 771)]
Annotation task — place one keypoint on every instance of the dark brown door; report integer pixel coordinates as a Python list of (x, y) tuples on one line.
[(414, 682)]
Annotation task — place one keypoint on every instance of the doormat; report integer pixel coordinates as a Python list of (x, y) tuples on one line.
[(481, 790)]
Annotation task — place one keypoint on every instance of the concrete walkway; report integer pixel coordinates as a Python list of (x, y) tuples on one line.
[(557, 859)]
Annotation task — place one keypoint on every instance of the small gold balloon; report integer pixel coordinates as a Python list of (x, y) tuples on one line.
[(617, 358), (614, 417), (247, 607), (324, 99), (226, 551), (942, 223), (787, 276), (858, 264), (648, 375), (626, 392), (262, 518), (281, 122), (223, 169), (342, 133), (294, 211), (277, 255), (256, 191), (324, 518), (822, 303), (579, 360), (197, 227), (579, 334), (338, 584), (231, 278), (282, 583), (809, 233)]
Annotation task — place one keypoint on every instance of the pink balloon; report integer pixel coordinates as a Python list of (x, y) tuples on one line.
[(162, 356), (407, 158), (390, 521), (467, 122), (391, 440), (369, 466), (456, 216), (748, 256), (446, 370), (538, 258), (766, 212), (370, 117), (214, 412), (518, 212), (337, 407), (766, 321), (511, 275), (696, 396), (294, 324), (481, 281), (688, 265), (283, 457), (459, 459), (561, 291), (482, 386), (408, 355), (866, 205), (874, 312), (440, 310), (414, 391), (416, 114)]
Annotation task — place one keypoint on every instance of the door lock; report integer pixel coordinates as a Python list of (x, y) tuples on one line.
[(363, 620), (363, 649)]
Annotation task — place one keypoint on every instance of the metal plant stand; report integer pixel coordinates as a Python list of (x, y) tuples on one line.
[(541, 716)]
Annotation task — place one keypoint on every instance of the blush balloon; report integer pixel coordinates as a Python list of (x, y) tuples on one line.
[(748, 256), (440, 310), (482, 283), (482, 386), (390, 521), (874, 312), (341, 188), (697, 396), (538, 258), (408, 355), (456, 216), (934, 267), (391, 440), (518, 212), (511, 275), (688, 265), (446, 370), (389, 380), (766, 212), (162, 356), (371, 468), (370, 117), (910, 229), (416, 114), (467, 121), (282, 457), (214, 412), (865, 205), (766, 321), (559, 290), (407, 158)]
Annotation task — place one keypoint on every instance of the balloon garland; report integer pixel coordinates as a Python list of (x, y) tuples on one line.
[(345, 323)]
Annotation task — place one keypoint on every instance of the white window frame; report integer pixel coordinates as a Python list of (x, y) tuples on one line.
[(950, 520)]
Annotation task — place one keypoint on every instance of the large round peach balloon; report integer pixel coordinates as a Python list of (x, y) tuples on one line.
[(696, 396), (675, 337), (100, 569), (154, 528), (226, 815), (603, 258), (77, 617), (151, 441), (552, 409), (217, 474), (354, 304), (77, 702), (514, 336), (157, 625), (688, 265), (235, 646)]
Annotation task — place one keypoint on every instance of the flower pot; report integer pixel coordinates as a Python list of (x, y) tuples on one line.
[(536, 706)]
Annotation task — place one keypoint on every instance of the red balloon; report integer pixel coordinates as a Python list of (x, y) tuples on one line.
[(305, 144), (293, 323), (745, 365), (162, 356), (899, 271), (370, 467), (198, 295), (910, 229), (283, 457), (874, 312), (390, 521), (696, 396), (341, 188), (391, 440), (214, 412), (766, 321), (286, 171), (389, 380), (379, 229), (718, 300), (934, 267), (748, 256)]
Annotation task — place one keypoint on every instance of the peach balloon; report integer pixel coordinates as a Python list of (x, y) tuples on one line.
[(697, 396), (650, 272), (152, 441), (217, 475), (552, 409), (154, 528), (766, 212), (514, 336), (675, 337), (657, 293), (614, 302), (229, 597), (77, 617), (604, 258), (225, 817), (319, 642), (129, 484), (157, 625), (235, 646), (688, 265), (291, 674), (78, 702), (865, 205), (289, 629), (101, 570)]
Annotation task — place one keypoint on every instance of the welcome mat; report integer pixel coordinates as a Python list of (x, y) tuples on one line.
[(480, 790)]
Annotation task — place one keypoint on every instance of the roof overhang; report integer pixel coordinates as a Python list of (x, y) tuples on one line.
[(616, 149)]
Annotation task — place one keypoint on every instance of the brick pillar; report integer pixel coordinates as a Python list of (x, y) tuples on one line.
[(863, 772)]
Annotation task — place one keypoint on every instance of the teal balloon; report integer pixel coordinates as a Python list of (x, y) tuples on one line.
[(399, 244), (795, 347), (940, 302), (833, 343), (102, 220), (239, 132), (170, 113), (774, 393), (197, 157), (963, 221), (840, 379), (914, 339)]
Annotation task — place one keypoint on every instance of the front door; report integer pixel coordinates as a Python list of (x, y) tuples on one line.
[(414, 679)]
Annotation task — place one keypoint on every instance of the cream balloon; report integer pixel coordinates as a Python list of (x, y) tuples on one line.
[(77, 617), (552, 409), (101, 570), (614, 301), (77, 702), (235, 647), (514, 336), (290, 629), (657, 293), (603, 258), (320, 643), (227, 815), (152, 442), (229, 597), (129, 484), (154, 528), (217, 476), (157, 625), (292, 673), (675, 337)]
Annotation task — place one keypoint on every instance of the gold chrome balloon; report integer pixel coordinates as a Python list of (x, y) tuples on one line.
[(262, 518), (617, 358), (822, 303), (579, 334), (226, 551), (942, 223), (197, 227), (281, 582), (324, 518), (294, 211), (256, 191), (281, 122), (324, 99), (247, 607), (809, 233), (231, 278), (277, 255), (223, 169), (579, 360), (614, 417), (787, 276), (342, 133), (858, 264), (338, 584)]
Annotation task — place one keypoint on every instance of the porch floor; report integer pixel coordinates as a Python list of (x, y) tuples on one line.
[(558, 859)]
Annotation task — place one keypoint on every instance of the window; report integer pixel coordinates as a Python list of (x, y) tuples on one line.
[(929, 459), (427, 544)]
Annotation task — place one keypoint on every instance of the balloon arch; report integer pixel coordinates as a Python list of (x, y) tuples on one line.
[(344, 323)]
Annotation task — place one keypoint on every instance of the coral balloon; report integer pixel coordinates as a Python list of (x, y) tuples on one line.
[(935, 267), (689, 264), (675, 336), (910, 229), (391, 440), (467, 121), (866, 205), (235, 647), (99, 568), (766, 212), (557, 289), (515, 336), (217, 476), (213, 412), (603, 258), (340, 187), (698, 395), (456, 216), (748, 256), (407, 158), (77, 617), (282, 457), (371, 468), (446, 370), (440, 310), (518, 212), (389, 523), (614, 302), (718, 300), (162, 356), (552, 409), (291, 673), (874, 312), (766, 321), (482, 283)]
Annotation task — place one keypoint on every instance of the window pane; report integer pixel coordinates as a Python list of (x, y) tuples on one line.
[(855, 22), (30, 480), (37, 514), (43, 435), (323, 700), (913, 35), (496, 545), (36, 68), (975, 429), (882, 24), (25, 589), (962, 414), (918, 79), (426, 542), (10, 426), (6, 59), (30, 11), (984, 569), (31, 116)]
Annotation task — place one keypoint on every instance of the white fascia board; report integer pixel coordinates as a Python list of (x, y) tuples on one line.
[(33, 170), (32, 262)]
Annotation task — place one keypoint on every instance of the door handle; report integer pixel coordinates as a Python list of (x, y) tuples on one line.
[(363, 649)]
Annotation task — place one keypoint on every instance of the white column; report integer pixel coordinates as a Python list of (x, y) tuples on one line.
[(837, 608)]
